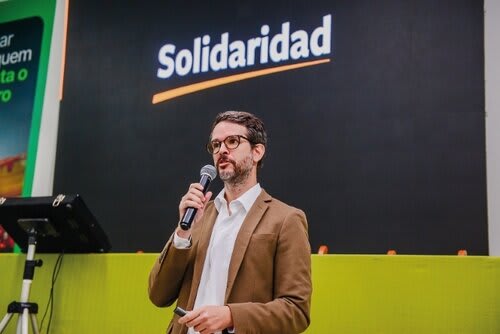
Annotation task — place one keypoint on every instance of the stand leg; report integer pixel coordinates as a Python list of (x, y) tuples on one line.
[(34, 323), (19, 324), (5, 321), (25, 318)]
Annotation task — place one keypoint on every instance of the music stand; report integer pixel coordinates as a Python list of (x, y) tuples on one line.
[(53, 224)]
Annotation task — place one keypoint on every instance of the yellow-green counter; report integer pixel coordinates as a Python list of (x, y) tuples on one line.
[(107, 293)]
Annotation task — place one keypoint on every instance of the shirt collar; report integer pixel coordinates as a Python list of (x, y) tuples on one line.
[(246, 200)]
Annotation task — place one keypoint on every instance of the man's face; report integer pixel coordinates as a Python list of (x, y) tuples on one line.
[(234, 165)]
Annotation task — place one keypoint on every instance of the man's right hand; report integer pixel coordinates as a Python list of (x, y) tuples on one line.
[(194, 198)]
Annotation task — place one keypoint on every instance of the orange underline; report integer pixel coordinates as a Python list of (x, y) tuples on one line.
[(63, 56), (176, 92)]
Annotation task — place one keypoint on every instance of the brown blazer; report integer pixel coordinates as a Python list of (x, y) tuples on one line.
[(269, 281)]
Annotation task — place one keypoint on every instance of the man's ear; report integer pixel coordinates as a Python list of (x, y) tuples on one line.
[(258, 152)]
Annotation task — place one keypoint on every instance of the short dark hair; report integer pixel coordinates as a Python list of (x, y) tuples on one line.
[(256, 131)]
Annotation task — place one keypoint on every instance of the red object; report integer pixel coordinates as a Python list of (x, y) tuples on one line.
[(9, 162), (462, 252), (6, 242), (323, 249)]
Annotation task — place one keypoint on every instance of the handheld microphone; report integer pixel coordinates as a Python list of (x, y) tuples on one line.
[(207, 174)]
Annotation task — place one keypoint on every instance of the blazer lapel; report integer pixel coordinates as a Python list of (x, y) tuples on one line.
[(201, 251), (242, 240)]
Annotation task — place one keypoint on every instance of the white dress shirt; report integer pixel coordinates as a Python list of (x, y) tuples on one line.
[(212, 288)]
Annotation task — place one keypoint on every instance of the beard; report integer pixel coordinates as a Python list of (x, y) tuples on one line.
[(239, 174)]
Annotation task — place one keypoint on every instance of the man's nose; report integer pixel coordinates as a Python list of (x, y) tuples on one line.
[(223, 148)]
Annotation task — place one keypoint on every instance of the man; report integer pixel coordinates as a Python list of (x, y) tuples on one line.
[(245, 264)]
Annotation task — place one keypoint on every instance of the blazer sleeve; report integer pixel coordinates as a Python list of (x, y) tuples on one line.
[(167, 274), (289, 311)]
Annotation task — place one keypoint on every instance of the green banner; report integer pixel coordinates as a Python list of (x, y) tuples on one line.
[(25, 40)]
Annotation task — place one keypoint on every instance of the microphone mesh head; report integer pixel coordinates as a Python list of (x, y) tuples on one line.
[(209, 170)]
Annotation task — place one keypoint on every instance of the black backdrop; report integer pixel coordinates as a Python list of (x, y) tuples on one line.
[(383, 147)]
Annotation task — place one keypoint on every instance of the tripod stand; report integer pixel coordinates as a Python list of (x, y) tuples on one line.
[(24, 308), (61, 223)]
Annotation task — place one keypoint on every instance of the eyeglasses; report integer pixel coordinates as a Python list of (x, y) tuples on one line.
[(231, 142)]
